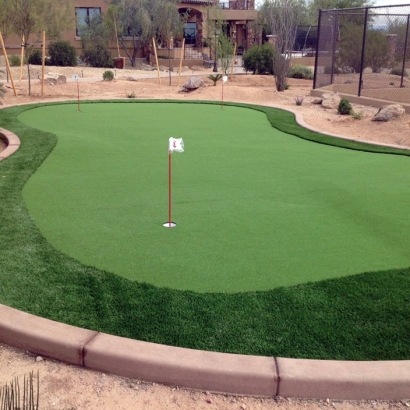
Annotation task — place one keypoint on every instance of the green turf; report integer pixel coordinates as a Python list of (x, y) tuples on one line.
[(256, 208), (360, 317)]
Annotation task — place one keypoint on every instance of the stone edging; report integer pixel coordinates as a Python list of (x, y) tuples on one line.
[(195, 369), (13, 143), (202, 370)]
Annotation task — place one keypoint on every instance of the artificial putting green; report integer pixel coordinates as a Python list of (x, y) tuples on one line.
[(256, 208)]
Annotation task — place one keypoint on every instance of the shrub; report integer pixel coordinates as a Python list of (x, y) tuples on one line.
[(35, 57), (357, 115), (259, 59), (350, 50), (14, 60), (108, 75), (62, 53), (96, 54), (344, 108), (398, 71), (300, 71), (299, 100)]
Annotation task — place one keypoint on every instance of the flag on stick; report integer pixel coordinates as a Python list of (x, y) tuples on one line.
[(224, 80), (174, 144)]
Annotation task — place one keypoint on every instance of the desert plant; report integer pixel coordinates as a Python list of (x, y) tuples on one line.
[(357, 115), (376, 53), (399, 71), (14, 60), (131, 95), (215, 78), (14, 398), (299, 100), (300, 71), (62, 53), (108, 75), (96, 54), (259, 59), (35, 57), (344, 107)]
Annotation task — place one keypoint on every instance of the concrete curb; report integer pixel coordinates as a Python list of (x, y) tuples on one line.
[(13, 143), (217, 372), (195, 369)]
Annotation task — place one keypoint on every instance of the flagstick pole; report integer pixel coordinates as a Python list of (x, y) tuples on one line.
[(222, 102), (169, 187), (78, 95)]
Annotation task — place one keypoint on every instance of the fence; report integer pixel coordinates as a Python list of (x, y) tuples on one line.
[(365, 52)]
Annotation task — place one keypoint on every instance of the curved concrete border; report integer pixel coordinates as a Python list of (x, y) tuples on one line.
[(13, 143), (195, 369), (217, 372)]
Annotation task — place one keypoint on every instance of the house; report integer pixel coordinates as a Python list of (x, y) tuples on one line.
[(237, 13)]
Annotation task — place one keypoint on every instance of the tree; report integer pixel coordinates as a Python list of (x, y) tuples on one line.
[(28, 17), (349, 53), (140, 20), (315, 5), (217, 30), (130, 21), (282, 18), (95, 37)]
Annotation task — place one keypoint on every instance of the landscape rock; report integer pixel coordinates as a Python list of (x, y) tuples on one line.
[(59, 79), (193, 83), (317, 101), (389, 112), (331, 100)]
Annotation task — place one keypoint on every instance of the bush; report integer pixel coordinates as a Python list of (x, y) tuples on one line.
[(259, 59), (300, 71), (62, 53), (398, 71), (14, 60), (35, 57), (96, 54), (108, 75), (344, 108)]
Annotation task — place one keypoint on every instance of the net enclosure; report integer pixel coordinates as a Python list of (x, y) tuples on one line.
[(365, 52)]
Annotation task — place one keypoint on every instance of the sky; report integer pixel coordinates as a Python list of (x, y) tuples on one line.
[(390, 2)]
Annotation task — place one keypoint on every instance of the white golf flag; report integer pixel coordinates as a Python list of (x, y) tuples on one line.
[(225, 78), (176, 144)]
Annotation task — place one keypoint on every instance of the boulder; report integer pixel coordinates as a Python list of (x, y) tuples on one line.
[(193, 83), (59, 79), (331, 100), (389, 112), (317, 100)]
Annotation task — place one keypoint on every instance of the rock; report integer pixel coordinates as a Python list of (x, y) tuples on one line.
[(39, 359), (59, 79), (193, 83), (147, 67), (389, 112), (317, 101), (209, 401), (196, 68), (50, 81), (331, 100)]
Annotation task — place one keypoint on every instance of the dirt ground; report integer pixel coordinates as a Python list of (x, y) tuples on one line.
[(66, 387)]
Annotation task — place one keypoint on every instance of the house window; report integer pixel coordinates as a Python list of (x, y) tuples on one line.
[(190, 33), (84, 15)]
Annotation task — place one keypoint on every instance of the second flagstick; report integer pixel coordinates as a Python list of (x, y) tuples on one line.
[(175, 144)]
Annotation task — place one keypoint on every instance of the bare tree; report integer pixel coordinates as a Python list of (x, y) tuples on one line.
[(282, 18)]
